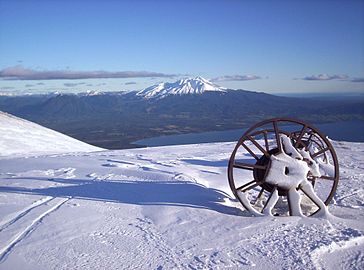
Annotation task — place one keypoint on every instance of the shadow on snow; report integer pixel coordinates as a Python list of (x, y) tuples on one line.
[(216, 163), (166, 193)]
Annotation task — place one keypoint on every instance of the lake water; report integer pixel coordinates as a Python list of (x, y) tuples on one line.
[(352, 131)]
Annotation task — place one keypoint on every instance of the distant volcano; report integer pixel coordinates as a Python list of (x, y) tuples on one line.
[(196, 85)]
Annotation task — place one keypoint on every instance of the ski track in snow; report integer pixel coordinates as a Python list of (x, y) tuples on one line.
[(6, 250), (167, 208), (4, 224)]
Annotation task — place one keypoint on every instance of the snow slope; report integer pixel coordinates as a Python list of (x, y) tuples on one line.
[(165, 208), (19, 137), (196, 85)]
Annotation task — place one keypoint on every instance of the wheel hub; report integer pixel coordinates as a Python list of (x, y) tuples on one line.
[(260, 175)]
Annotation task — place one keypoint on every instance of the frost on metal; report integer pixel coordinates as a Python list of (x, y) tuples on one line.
[(289, 170), (292, 169)]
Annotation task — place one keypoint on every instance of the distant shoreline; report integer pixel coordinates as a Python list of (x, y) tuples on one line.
[(352, 131)]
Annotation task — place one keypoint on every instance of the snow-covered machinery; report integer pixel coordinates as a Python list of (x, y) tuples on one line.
[(284, 166)]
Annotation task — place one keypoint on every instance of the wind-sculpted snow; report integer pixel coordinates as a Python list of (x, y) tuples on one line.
[(197, 85), (165, 208)]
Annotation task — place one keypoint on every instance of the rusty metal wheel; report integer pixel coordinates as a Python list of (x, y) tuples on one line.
[(283, 166)]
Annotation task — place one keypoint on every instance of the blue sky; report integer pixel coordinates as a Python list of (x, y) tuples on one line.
[(270, 46)]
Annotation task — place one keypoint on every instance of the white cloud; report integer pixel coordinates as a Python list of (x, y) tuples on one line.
[(235, 78), (325, 77), (21, 73)]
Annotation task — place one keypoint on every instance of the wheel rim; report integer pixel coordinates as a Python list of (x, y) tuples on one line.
[(250, 164)]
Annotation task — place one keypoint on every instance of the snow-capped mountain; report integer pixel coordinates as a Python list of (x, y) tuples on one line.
[(19, 137), (92, 116), (196, 85)]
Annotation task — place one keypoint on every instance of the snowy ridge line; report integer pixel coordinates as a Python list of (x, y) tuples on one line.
[(28, 230), (22, 213), (22, 138)]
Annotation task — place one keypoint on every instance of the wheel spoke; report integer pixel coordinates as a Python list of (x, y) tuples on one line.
[(258, 197), (320, 152), (307, 189), (248, 166), (258, 146), (248, 186), (266, 141), (278, 139), (303, 130), (250, 151), (313, 182), (316, 139), (307, 194), (325, 177), (308, 140), (312, 179)]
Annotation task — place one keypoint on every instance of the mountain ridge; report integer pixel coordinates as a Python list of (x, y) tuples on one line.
[(114, 120)]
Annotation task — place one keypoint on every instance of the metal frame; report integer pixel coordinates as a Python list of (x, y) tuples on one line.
[(263, 153)]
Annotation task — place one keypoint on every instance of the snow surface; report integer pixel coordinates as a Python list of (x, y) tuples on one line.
[(196, 85), (165, 208), (19, 137)]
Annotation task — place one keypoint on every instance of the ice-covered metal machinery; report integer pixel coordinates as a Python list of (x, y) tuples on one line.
[(284, 166)]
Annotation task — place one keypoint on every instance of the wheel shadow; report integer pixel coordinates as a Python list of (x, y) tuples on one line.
[(217, 163), (208, 163), (166, 193)]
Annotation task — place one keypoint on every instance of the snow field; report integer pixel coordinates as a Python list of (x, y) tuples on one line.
[(165, 208)]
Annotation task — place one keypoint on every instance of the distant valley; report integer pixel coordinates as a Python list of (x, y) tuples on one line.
[(114, 120)]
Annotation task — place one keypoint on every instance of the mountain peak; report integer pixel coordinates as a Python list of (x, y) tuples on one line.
[(197, 85)]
